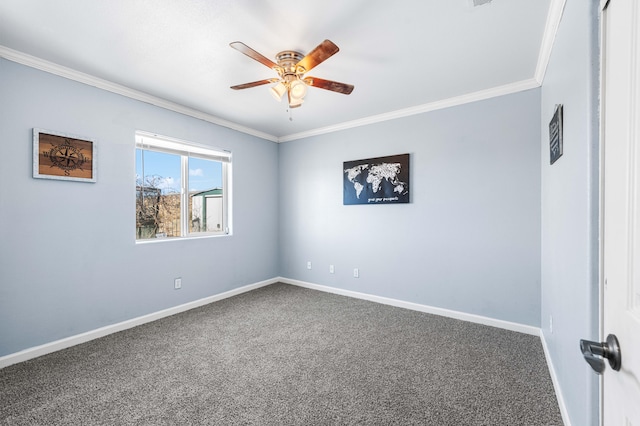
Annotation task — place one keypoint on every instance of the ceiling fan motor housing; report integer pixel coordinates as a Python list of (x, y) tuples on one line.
[(287, 59)]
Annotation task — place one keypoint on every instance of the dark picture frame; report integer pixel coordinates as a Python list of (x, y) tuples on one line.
[(555, 135), (380, 180)]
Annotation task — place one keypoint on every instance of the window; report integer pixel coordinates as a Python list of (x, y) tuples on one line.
[(182, 189)]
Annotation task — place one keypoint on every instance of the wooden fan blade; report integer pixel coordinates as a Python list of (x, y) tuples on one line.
[(255, 83), (321, 53), (334, 86), (243, 48)]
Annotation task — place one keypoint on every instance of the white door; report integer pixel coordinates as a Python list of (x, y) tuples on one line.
[(621, 213)]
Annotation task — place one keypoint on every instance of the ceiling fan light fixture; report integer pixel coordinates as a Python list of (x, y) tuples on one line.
[(297, 90), (294, 102), (278, 90)]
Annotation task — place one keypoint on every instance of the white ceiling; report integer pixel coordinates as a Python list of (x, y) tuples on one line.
[(402, 56)]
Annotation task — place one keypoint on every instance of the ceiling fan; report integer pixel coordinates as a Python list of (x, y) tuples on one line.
[(291, 67)]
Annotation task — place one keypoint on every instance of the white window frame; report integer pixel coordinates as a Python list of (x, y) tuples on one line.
[(152, 142)]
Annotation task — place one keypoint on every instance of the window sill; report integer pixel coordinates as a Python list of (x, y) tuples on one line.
[(190, 237)]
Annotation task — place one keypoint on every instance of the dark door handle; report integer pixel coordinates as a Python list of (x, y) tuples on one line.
[(596, 352)]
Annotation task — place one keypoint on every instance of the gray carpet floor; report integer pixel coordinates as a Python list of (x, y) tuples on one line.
[(284, 355)]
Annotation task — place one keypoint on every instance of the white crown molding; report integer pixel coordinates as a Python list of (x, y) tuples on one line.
[(554, 17), (53, 68), (433, 106), (556, 9), (553, 21)]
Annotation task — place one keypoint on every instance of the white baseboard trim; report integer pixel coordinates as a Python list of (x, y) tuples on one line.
[(478, 319), (527, 329), (556, 382), (67, 342), (57, 345)]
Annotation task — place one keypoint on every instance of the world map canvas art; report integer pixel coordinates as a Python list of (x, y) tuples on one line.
[(382, 180)]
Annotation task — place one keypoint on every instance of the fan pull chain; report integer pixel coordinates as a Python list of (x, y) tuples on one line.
[(290, 114)]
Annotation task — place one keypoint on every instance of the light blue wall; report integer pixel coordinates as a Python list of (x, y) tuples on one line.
[(570, 208), (470, 238), (68, 260), (492, 229)]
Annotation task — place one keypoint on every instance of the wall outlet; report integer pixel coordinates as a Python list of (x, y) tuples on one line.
[(309, 265), (331, 269), (177, 283), (356, 273)]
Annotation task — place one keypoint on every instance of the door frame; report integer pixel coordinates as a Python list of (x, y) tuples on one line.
[(602, 29)]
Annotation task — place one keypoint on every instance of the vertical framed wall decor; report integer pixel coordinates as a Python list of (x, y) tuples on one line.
[(555, 135)]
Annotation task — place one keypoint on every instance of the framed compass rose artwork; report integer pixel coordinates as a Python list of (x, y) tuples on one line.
[(63, 156)]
